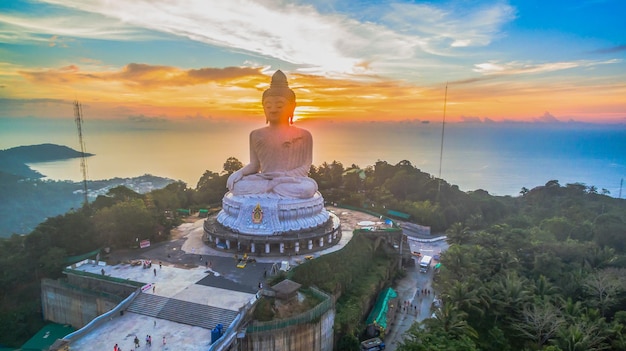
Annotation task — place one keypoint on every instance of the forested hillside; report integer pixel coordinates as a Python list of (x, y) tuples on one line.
[(27, 202), (541, 271), (13, 161), (550, 276)]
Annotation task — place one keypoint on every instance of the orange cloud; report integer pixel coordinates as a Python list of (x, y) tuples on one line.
[(235, 92), (143, 75)]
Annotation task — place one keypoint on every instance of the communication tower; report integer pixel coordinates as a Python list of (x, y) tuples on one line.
[(443, 128), (78, 118)]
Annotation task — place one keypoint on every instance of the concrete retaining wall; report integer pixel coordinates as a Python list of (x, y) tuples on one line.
[(314, 336), (81, 297), (66, 304)]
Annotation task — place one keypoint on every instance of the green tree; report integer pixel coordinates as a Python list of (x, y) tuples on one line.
[(174, 195), (608, 230), (353, 178), (348, 342), (124, 224), (431, 336), (467, 296), (584, 335), (211, 188), (458, 234), (452, 321), (560, 227), (524, 191), (122, 193), (509, 297), (231, 165), (402, 185), (544, 289), (52, 262)]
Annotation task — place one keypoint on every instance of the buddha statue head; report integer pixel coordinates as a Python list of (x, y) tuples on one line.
[(280, 96)]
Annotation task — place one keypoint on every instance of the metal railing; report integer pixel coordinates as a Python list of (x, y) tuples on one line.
[(302, 318)]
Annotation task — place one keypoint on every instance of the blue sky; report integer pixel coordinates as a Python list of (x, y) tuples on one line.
[(352, 60)]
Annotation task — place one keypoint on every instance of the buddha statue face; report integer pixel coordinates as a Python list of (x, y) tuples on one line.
[(279, 101), (278, 110)]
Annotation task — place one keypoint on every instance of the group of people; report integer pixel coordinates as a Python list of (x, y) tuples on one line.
[(137, 344), (408, 306), (148, 340), (423, 292)]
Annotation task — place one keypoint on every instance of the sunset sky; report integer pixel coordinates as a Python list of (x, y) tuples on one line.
[(346, 60)]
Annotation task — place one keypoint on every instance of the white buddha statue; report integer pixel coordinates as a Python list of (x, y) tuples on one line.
[(273, 194), (280, 154)]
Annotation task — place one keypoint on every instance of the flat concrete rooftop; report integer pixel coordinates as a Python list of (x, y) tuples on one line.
[(194, 272)]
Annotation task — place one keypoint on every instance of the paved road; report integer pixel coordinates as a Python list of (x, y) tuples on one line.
[(417, 306)]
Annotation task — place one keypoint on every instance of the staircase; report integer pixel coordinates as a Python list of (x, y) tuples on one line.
[(180, 311)]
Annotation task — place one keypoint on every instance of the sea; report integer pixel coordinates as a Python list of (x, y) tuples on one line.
[(499, 157)]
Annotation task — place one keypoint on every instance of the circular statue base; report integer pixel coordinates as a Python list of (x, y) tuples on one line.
[(301, 242), (270, 214)]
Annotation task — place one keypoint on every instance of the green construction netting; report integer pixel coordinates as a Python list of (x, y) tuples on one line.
[(378, 315), (74, 259), (46, 336), (399, 214)]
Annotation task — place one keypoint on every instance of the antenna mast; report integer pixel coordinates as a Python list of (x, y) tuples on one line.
[(443, 127), (78, 118)]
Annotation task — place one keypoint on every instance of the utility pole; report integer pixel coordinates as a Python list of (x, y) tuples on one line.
[(78, 118), (443, 128)]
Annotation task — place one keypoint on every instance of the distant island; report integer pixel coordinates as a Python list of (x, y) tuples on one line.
[(27, 200), (14, 161)]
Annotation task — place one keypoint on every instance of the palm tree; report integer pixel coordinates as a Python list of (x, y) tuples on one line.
[(572, 310), (458, 234), (600, 257), (544, 288), (524, 191), (582, 336), (452, 321), (509, 296), (465, 296), (460, 263)]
